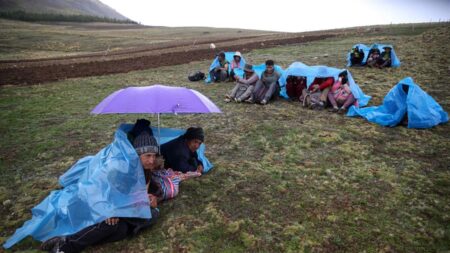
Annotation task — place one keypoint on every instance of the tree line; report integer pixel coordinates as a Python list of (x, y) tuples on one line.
[(56, 17)]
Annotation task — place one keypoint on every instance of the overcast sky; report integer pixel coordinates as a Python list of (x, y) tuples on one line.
[(281, 15)]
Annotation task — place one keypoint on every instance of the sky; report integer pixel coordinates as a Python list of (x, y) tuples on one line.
[(281, 15)]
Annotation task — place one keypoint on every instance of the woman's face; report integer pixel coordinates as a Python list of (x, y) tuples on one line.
[(148, 161), (237, 59)]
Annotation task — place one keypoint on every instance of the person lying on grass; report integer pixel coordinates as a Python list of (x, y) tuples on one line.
[(180, 154), (117, 228), (267, 86), (244, 85)]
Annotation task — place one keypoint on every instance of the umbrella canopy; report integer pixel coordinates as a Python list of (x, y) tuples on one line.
[(156, 99)]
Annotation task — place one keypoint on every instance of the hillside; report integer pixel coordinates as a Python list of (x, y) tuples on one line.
[(65, 7)]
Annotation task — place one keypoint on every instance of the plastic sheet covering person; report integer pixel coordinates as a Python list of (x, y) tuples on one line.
[(108, 184), (406, 101)]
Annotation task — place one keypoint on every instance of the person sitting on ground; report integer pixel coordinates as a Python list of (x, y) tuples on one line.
[(340, 95), (244, 85), (385, 58), (322, 85), (372, 60), (295, 86), (220, 73), (116, 228), (180, 154), (267, 86), (356, 56), (235, 64)]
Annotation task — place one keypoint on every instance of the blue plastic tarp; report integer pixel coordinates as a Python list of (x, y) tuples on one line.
[(311, 72), (422, 110), (395, 60), (108, 184), (229, 57)]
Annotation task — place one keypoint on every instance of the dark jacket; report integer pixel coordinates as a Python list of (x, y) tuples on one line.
[(178, 157)]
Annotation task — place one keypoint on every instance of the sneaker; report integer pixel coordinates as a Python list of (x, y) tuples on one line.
[(334, 109), (227, 100), (342, 110), (250, 100), (237, 100), (263, 102)]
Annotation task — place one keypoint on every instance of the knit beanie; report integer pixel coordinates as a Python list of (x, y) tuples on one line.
[(145, 143), (195, 133)]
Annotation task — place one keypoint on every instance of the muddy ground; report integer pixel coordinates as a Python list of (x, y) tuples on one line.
[(35, 71)]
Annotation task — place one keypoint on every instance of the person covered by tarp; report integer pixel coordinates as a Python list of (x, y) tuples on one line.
[(219, 73), (376, 51), (111, 183), (180, 154), (219, 64), (310, 73), (235, 64), (405, 103), (295, 86), (267, 86), (385, 59), (373, 59), (318, 92), (340, 95), (357, 56), (244, 85), (117, 228)]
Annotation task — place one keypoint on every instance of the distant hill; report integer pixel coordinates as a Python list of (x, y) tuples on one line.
[(84, 8)]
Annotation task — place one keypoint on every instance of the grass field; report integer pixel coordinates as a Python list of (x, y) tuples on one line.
[(24, 40), (286, 179)]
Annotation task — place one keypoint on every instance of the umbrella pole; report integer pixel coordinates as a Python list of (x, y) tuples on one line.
[(159, 137)]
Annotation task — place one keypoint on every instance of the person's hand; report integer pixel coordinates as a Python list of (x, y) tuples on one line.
[(153, 200), (112, 221), (315, 87), (200, 168)]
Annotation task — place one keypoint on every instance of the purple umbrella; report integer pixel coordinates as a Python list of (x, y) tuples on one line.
[(156, 99)]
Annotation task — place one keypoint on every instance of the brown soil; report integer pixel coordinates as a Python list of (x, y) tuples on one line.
[(34, 71)]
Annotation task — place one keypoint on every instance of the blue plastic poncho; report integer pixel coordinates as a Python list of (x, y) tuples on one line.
[(422, 110), (395, 60), (311, 72), (108, 184), (229, 57)]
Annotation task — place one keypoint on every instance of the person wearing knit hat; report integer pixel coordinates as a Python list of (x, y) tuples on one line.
[(244, 85), (180, 154), (145, 143), (117, 228)]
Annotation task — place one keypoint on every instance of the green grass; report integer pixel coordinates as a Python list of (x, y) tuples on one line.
[(286, 179)]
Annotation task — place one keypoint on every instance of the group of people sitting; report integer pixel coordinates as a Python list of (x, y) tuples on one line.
[(253, 88), (322, 92), (164, 168), (375, 59), (221, 72)]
